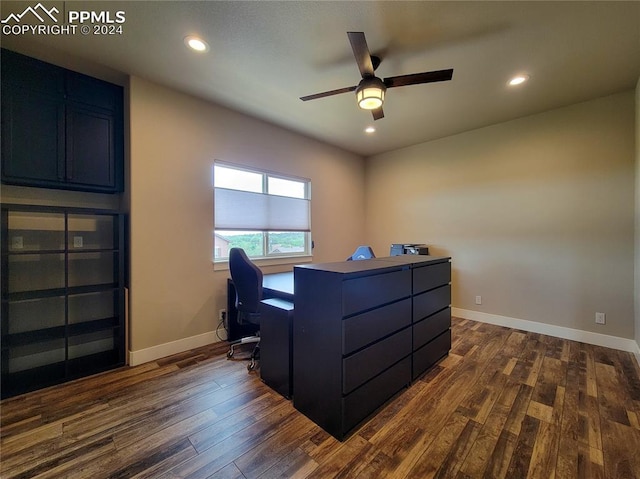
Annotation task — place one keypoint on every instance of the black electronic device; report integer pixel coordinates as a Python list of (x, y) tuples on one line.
[(408, 248)]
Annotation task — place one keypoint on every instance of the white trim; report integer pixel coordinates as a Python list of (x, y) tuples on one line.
[(588, 337), (223, 264), (167, 349)]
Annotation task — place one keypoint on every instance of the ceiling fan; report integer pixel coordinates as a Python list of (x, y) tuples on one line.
[(371, 90)]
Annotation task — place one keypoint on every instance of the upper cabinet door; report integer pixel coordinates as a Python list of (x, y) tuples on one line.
[(33, 144), (60, 129), (32, 97), (90, 152)]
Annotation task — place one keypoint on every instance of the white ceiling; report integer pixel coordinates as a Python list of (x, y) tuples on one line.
[(264, 55)]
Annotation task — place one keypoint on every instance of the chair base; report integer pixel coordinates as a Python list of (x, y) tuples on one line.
[(255, 354)]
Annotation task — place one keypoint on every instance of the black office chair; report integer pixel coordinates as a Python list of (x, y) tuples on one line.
[(362, 252), (247, 280)]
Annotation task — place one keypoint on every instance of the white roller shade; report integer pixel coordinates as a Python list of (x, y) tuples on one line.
[(244, 210)]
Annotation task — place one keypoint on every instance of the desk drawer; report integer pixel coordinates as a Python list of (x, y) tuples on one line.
[(363, 401), (427, 329), (365, 328), (360, 294), (426, 304), (430, 353), (432, 276), (369, 362)]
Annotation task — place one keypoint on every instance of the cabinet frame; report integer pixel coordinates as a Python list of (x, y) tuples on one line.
[(28, 83), (73, 336)]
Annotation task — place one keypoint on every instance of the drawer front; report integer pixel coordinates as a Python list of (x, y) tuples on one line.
[(427, 329), (432, 276), (362, 402), (365, 328), (360, 294), (371, 361), (430, 353), (426, 304)]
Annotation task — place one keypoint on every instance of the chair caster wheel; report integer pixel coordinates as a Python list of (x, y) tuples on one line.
[(251, 367), (229, 354)]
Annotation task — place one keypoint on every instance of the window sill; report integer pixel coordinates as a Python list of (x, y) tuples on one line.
[(223, 265)]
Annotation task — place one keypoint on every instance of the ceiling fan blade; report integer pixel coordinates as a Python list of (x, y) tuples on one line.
[(417, 78), (328, 93), (361, 52), (377, 113)]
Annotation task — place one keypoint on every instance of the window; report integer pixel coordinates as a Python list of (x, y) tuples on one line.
[(266, 214)]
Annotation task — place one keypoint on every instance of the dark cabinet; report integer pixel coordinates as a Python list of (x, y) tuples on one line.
[(63, 301), (60, 129), (363, 330), (351, 340)]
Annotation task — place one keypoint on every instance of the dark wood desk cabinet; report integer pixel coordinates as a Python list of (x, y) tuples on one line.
[(362, 331)]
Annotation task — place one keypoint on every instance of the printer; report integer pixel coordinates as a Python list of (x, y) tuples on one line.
[(407, 248)]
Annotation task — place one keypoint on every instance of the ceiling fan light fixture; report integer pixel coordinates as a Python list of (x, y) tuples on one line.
[(370, 93)]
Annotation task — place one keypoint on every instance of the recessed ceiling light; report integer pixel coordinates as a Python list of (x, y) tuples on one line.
[(196, 43), (518, 80), (369, 129)]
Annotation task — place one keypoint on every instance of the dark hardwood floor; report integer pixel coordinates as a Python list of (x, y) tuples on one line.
[(503, 404)]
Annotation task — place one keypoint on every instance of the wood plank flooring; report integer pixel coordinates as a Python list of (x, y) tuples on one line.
[(503, 404)]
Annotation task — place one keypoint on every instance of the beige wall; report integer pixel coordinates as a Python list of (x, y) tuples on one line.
[(536, 213), (174, 139), (637, 248)]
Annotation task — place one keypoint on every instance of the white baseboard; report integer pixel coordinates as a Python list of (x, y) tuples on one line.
[(588, 337), (167, 349)]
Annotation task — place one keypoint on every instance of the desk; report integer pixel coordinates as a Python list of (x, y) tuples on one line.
[(276, 324), (276, 285), (363, 330)]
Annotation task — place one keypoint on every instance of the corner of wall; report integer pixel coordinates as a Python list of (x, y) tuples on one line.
[(637, 224)]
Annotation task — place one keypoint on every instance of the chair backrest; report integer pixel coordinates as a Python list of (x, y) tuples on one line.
[(362, 252), (247, 279)]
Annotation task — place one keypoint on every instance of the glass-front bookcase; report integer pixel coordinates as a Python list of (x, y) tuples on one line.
[(63, 302)]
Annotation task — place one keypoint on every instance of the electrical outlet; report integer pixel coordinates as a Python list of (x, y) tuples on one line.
[(17, 242), (77, 242), (222, 314), (600, 318), (478, 299)]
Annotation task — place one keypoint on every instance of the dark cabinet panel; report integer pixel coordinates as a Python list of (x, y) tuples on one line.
[(365, 328), (90, 151), (32, 136), (430, 353), (60, 129), (32, 75), (366, 399), (366, 364), (91, 91), (389, 287), (431, 276), (425, 304), (427, 329)]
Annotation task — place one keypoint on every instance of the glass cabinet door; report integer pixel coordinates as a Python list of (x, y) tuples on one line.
[(62, 295)]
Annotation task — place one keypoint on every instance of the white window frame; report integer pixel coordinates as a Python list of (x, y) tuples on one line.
[(266, 258)]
